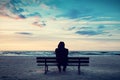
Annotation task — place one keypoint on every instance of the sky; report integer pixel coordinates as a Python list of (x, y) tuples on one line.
[(92, 25)]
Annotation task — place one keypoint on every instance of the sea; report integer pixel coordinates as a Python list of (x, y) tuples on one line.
[(51, 53)]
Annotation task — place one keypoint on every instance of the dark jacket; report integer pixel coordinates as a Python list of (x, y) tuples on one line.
[(61, 56)]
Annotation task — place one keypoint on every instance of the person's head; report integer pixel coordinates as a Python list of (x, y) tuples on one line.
[(61, 44)]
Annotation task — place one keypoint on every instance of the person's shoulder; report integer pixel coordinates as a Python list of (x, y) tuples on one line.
[(66, 49), (56, 49)]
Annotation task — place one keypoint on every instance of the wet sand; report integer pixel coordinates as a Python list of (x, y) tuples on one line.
[(25, 68)]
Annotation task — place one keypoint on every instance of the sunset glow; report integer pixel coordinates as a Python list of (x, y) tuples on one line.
[(41, 24)]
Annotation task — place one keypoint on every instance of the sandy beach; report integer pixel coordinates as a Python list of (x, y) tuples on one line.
[(25, 68)]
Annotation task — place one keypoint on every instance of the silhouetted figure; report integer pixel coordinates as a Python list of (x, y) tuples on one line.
[(61, 56)]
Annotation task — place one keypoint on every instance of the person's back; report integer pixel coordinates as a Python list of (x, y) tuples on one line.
[(61, 56)]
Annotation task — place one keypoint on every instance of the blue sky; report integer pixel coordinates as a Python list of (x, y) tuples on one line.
[(77, 22)]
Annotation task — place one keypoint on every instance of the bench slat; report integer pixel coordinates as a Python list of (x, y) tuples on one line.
[(68, 57), (70, 60), (54, 64)]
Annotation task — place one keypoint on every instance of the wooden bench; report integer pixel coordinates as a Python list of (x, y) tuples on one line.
[(72, 61)]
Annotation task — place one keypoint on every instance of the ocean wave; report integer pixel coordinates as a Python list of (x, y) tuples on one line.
[(51, 53)]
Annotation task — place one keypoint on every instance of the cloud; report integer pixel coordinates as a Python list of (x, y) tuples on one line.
[(24, 33), (34, 14), (45, 6), (71, 28), (85, 27), (101, 27), (78, 27), (88, 32), (6, 9), (110, 35), (75, 13), (19, 8), (91, 31), (87, 18), (39, 23), (22, 16)]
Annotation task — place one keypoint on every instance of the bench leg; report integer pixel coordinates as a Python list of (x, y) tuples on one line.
[(46, 69), (78, 69)]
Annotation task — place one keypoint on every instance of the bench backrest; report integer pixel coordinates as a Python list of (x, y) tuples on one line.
[(72, 61)]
